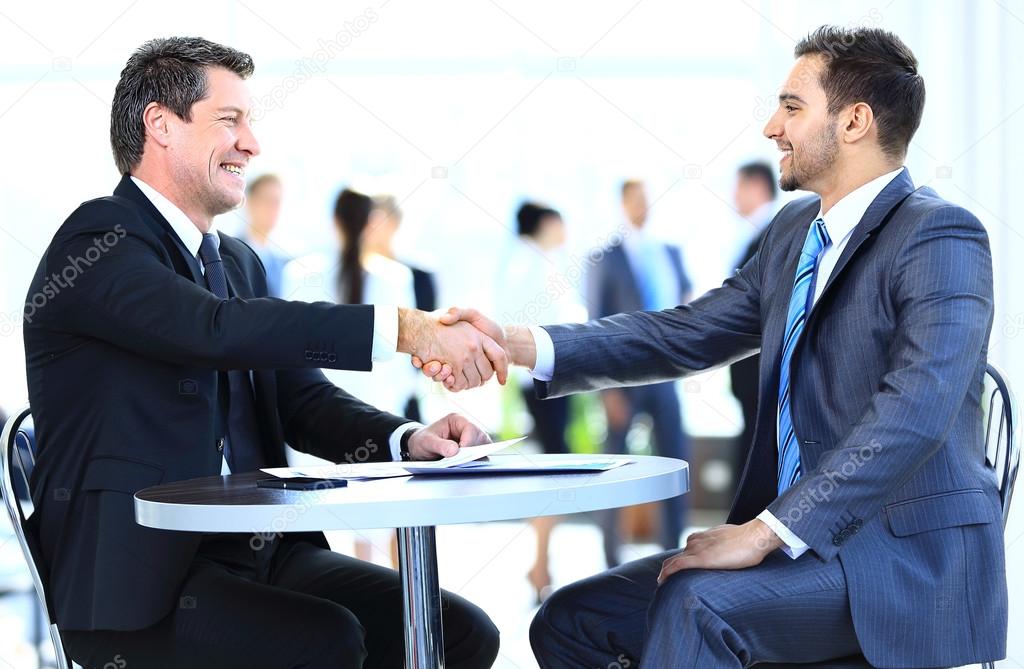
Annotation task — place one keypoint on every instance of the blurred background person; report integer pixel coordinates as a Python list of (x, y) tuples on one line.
[(534, 287), (357, 273), (263, 208), (378, 239), (755, 195), (641, 273)]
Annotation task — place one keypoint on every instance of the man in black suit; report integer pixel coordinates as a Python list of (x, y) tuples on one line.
[(154, 355)]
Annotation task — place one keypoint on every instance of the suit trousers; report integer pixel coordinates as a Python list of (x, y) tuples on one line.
[(781, 611), (290, 605), (661, 402)]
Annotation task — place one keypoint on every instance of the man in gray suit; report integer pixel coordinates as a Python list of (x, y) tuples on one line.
[(866, 521), (640, 272)]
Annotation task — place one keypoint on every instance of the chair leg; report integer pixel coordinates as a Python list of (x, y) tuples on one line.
[(988, 665)]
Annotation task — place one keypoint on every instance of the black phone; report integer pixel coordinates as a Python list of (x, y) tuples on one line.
[(301, 483)]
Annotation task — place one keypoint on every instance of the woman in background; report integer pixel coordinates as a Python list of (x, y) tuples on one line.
[(378, 239), (535, 288), (358, 274)]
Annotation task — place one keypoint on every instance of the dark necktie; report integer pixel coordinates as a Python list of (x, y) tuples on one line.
[(242, 444)]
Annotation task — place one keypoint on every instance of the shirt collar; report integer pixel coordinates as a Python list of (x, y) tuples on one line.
[(844, 215), (182, 225)]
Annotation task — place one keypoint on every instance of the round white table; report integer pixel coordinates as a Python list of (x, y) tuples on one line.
[(414, 505)]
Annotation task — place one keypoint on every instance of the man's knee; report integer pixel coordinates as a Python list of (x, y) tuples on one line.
[(337, 638), (682, 597), (556, 618), (471, 630)]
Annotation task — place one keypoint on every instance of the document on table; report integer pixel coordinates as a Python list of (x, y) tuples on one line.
[(378, 470), (525, 464)]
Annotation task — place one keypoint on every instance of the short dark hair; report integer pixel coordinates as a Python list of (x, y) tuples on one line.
[(873, 66), (530, 216), (171, 71), (760, 171), (630, 184)]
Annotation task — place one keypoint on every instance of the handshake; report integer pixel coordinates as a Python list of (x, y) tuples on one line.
[(462, 348)]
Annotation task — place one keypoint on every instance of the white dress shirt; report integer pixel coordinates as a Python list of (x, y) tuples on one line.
[(840, 222), (385, 318)]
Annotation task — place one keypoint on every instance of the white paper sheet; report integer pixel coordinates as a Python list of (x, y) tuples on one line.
[(377, 470)]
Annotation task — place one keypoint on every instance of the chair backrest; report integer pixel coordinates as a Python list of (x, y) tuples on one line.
[(1002, 441), (17, 459)]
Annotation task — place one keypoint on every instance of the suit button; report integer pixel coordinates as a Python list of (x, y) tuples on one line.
[(857, 522), (309, 354), (220, 445), (837, 540), (332, 358)]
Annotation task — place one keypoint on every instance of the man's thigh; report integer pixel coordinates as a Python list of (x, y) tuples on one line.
[(782, 610), (225, 620)]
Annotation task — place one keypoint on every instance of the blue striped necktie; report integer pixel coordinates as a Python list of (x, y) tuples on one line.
[(789, 449)]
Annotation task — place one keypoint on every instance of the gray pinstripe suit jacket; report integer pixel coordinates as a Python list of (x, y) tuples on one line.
[(886, 387)]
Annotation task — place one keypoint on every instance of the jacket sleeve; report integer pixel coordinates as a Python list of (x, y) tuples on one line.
[(652, 346), (942, 289), (321, 419), (111, 281)]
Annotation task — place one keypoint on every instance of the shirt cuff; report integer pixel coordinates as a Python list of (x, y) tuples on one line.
[(395, 440), (385, 332), (793, 546), (544, 367)]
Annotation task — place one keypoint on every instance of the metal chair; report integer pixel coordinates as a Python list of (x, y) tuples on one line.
[(17, 458), (1002, 439)]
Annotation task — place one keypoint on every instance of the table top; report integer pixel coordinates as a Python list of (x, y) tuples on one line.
[(233, 503)]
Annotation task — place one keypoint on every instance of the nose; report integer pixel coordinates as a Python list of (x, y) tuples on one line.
[(773, 128), (247, 140)]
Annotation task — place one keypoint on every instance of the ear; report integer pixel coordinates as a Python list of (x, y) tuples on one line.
[(858, 122), (154, 120)]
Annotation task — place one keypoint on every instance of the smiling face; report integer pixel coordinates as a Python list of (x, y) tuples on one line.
[(803, 129), (207, 156)]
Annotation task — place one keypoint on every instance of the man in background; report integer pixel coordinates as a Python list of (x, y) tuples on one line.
[(263, 209), (640, 273), (755, 202)]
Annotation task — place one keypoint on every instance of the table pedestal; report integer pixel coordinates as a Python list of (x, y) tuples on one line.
[(421, 598)]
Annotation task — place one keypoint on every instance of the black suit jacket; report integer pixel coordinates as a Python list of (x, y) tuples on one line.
[(123, 342)]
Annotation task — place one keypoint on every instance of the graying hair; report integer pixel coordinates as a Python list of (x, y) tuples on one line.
[(172, 72)]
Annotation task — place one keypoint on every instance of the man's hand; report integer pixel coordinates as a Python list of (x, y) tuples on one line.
[(444, 438), (470, 354), (723, 547), (440, 369)]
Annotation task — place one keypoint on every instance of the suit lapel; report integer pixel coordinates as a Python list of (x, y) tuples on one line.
[(128, 190), (876, 214), (237, 285)]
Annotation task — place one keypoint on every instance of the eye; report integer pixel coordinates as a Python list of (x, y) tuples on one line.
[(229, 119), (790, 108)]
